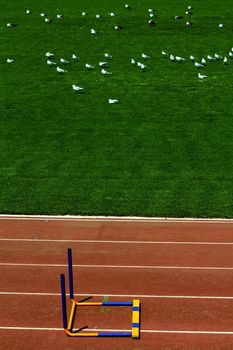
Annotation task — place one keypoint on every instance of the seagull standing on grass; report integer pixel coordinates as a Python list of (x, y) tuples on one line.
[(198, 65), (230, 54), (108, 56), (201, 76), (192, 58), (127, 6), (112, 14), (221, 25), (225, 60), (74, 57), (172, 58), (43, 14), (164, 54), (60, 15), (203, 61), (10, 60), (97, 16), (112, 100), (84, 13), (104, 72), (50, 63), (103, 64), (49, 54), (76, 87), (60, 70), (133, 61), (28, 11), (211, 58), (145, 56), (217, 56), (179, 59), (11, 25), (89, 66), (47, 20), (62, 60), (93, 31)]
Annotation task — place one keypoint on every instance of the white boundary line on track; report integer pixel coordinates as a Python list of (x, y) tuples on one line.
[(141, 296), (112, 218), (122, 266), (110, 242), (120, 330)]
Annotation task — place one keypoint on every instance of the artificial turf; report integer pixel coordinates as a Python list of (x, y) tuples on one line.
[(165, 149)]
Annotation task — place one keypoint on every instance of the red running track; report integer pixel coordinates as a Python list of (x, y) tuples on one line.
[(182, 271)]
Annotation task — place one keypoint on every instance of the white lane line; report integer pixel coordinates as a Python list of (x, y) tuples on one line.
[(120, 330), (109, 241), (113, 218), (141, 296), (123, 266)]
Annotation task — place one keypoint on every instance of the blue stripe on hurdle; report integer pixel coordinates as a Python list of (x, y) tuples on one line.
[(136, 308), (114, 334), (117, 303), (135, 325)]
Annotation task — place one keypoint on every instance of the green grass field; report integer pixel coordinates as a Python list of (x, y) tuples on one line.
[(166, 149)]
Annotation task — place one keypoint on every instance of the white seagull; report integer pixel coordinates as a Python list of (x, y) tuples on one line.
[(203, 61), (28, 11), (93, 31), (62, 60), (47, 20), (84, 13), (201, 76), (179, 59), (43, 14), (211, 58), (104, 72), (107, 55), (221, 25), (198, 65), (97, 16), (145, 56), (89, 66), (164, 54), (127, 6), (225, 60), (192, 58), (230, 54), (112, 100), (11, 25), (60, 15), (10, 60), (49, 54), (74, 57), (103, 64), (172, 58), (143, 67), (50, 63), (76, 87), (217, 56), (133, 61), (112, 14), (60, 70)]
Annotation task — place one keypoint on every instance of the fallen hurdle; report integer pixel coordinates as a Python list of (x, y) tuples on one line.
[(68, 323)]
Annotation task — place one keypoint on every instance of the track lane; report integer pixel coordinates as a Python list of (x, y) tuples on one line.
[(120, 281), (116, 230), (160, 314), (111, 254)]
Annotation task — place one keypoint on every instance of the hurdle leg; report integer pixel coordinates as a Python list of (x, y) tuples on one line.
[(63, 299), (70, 271)]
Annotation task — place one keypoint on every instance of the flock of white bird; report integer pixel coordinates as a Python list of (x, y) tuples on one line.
[(103, 65)]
